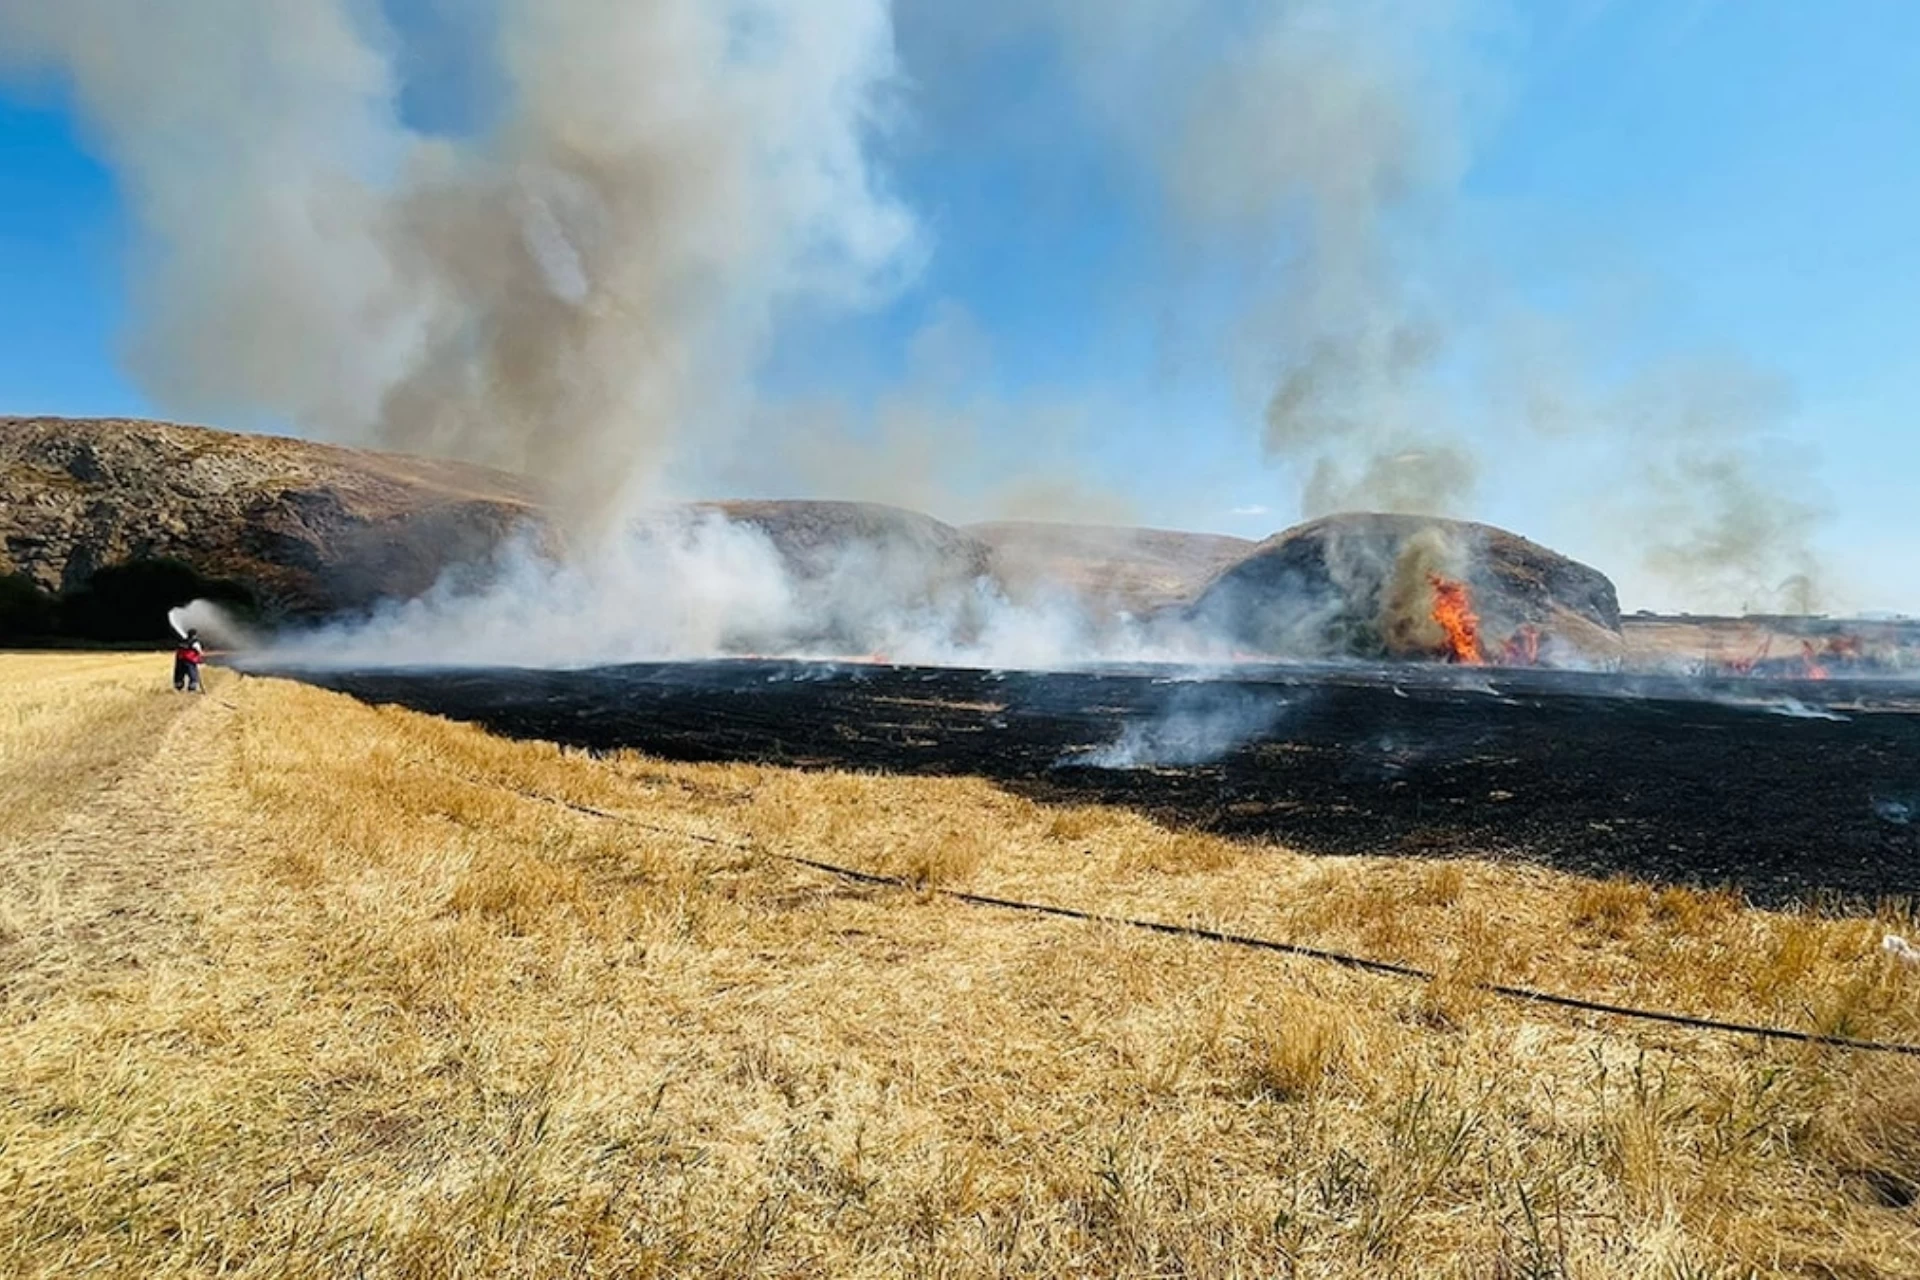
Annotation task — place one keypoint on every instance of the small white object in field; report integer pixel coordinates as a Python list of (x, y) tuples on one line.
[(1900, 949)]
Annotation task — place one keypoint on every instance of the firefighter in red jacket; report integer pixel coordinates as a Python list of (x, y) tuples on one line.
[(186, 662)]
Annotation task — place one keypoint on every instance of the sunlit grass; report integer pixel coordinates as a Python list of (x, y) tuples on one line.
[(328, 990)]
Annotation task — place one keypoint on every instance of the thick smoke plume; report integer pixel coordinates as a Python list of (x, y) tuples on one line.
[(565, 292), (1407, 623), (693, 583), (581, 282)]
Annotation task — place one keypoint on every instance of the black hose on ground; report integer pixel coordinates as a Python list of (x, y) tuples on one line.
[(1359, 963)]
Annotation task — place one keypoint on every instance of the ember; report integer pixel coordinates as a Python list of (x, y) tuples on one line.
[(1522, 648), (1453, 610), (1747, 666)]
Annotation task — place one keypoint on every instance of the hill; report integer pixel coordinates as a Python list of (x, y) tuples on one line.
[(122, 519), (1364, 585), (301, 529)]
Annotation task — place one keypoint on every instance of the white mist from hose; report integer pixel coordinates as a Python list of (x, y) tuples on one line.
[(217, 626)]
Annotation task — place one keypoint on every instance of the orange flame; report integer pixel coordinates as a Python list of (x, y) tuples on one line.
[(1453, 610), (1810, 659), (1522, 648), (1747, 666)]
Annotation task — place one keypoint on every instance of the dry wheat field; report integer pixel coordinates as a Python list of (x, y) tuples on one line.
[(291, 986)]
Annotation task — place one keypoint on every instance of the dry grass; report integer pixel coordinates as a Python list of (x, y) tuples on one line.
[(64, 727), (327, 990)]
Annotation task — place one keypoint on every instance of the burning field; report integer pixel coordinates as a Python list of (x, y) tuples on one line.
[(674, 797), (1784, 789), (1363, 684)]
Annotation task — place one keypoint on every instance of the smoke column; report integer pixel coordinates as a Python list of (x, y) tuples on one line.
[(1313, 154), (567, 293), (581, 283), (1301, 151)]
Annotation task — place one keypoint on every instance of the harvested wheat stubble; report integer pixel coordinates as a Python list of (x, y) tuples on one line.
[(1596, 774), (412, 1018)]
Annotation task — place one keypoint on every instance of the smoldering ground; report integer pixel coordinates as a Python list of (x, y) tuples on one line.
[(1200, 724)]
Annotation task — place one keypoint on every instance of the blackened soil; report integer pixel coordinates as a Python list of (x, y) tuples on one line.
[(1794, 792)]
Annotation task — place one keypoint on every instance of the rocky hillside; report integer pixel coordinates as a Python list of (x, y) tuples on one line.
[(1363, 585), (303, 528), (121, 519)]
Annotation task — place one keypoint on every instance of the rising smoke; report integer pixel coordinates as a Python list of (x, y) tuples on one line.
[(581, 285), (1321, 148), (1202, 722), (1725, 509), (693, 583), (1314, 147), (567, 292), (1407, 624)]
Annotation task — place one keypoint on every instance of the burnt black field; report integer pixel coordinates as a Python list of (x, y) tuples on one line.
[(1786, 790)]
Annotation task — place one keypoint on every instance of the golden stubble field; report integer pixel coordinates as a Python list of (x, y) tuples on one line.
[(290, 986)]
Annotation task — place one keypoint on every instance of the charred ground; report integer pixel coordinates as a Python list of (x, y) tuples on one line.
[(1786, 791)]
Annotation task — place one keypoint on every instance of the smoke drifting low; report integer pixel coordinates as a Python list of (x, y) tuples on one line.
[(690, 583), (582, 282), (1202, 723)]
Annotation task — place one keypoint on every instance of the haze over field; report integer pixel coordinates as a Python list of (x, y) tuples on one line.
[(1147, 261)]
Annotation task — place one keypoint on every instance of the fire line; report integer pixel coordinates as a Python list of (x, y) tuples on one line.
[(1453, 610)]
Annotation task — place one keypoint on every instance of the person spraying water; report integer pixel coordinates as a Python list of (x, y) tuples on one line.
[(221, 628), (187, 657)]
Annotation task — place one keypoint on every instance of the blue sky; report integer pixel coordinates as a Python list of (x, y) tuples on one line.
[(60, 237), (1755, 163), (1714, 180)]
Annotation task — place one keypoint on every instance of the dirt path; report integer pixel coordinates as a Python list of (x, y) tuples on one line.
[(89, 882)]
